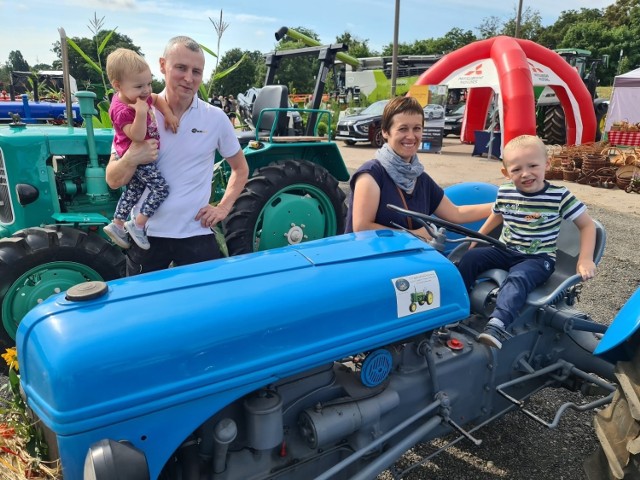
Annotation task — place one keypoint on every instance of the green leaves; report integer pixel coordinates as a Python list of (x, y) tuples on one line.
[(205, 91), (86, 58), (105, 41), (208, 50), (103, 120)]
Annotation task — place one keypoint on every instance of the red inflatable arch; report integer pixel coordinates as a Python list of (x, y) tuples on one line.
[(511, 67)]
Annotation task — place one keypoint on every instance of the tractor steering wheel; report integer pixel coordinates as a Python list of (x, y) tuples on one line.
[(438, 234)]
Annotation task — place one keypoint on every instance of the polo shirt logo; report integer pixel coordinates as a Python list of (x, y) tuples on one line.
[(195, 130)]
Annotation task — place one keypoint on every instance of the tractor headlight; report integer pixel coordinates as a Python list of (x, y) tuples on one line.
[(111, 460)]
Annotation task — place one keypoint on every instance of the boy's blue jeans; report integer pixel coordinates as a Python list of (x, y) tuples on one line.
[(526, 272)]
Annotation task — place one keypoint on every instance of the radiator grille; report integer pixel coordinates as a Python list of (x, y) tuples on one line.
[(6, 213)]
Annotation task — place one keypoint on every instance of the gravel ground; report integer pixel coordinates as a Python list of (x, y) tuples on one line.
[(516, 447)]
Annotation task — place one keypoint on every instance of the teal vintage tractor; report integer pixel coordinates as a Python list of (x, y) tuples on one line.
[(54, 201)]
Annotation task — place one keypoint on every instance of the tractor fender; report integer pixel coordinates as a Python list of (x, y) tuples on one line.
[(614, 346), (325, 154)]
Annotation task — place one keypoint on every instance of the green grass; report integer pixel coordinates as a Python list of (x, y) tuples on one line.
[(604, 92)]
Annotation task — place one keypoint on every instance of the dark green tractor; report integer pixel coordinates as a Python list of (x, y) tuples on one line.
[(550, 115)]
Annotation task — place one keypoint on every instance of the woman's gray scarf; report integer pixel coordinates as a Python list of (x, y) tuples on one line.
[(404, 174)]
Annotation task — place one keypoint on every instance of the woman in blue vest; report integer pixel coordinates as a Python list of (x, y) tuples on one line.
[(396, 176)]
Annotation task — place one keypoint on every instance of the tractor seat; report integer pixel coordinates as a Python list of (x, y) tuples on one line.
[(563, 277), (270, 96)]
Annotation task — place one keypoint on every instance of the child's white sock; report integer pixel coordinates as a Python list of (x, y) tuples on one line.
[(496, 321)]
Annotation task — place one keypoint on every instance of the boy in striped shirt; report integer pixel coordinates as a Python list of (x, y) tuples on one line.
[(530, 211)]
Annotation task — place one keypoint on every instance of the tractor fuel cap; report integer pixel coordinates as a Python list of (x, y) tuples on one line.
[(86, 291)]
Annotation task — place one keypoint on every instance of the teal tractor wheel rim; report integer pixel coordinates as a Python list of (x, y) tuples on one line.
[(36, 285), (295, 214)]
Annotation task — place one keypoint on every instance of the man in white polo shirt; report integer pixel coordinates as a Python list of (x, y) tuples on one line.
[(180, 231)]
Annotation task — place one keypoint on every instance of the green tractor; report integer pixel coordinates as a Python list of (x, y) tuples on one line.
[(420, 298), (54, 200), (549, 112)]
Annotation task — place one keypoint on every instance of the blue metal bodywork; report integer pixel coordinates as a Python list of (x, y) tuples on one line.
[(469, 193), (624, 326), (37, 112), (160, 353)]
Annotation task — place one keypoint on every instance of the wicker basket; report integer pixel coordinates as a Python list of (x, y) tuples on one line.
[(594, 162), (555, 171), (621, 156), (554, 150), (569, 171), (624, 175), (570, 175)]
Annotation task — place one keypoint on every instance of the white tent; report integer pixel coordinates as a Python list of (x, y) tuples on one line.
[(625, 99)]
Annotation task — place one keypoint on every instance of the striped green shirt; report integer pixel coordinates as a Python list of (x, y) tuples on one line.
[(531, 221)]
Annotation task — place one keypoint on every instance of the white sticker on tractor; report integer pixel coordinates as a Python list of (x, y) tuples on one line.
[(417, 293)]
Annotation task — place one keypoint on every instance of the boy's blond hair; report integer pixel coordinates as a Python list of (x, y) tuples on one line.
[(525, 141), (123, 61)]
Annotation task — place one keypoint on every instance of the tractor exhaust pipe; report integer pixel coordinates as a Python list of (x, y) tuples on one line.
[(65, 75)]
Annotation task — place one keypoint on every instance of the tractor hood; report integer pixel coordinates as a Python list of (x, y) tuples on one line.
[(184, 333)]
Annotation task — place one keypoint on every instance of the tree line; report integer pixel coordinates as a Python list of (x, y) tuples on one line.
[(613, 31)]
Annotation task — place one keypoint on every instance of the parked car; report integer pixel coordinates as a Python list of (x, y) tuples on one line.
[(453, 122), (432, 111), (364, 127)]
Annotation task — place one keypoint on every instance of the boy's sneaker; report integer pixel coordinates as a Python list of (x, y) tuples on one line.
[(493, 336), (138, 235), (118, 235)]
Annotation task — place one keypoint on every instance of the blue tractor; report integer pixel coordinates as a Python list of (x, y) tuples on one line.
[(275, 365)]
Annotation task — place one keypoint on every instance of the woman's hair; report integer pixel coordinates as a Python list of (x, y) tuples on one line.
[(400, 105), (123, 61)]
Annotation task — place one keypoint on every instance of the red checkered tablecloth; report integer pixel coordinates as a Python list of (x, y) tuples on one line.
[(631, 139)]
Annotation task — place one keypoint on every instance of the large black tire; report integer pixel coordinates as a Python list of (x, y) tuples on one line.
[(618, 429), (554, 129), (350, 142), (285, 203), (38, 262), (601, 113)]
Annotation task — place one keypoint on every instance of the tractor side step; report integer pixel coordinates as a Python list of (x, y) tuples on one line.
[(559, 371)]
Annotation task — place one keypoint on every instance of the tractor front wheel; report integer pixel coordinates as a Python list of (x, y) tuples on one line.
[(285, 203), (36, 263)]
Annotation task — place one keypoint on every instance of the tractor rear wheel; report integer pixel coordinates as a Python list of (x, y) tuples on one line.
[(36, 263), (285, 203), (618, 429), (554, 129)]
